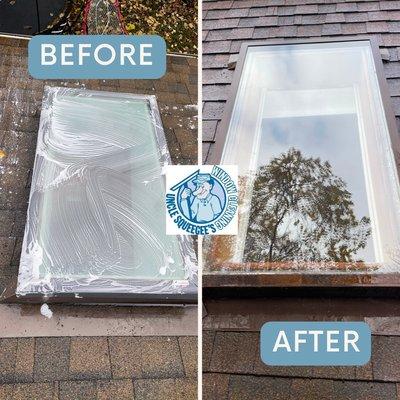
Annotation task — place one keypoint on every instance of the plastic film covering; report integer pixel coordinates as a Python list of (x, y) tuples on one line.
[(96, 211)]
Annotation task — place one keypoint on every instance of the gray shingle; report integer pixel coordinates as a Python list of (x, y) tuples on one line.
[(378, 16), (333, 18), (255, 388), (391, 39), (346, 7), (165, 389), (286, 20), (96, 355), (216, 47), (215, 92), (205, 151), (379, 27), (125, 356), (257, 12), (39, 391), (313, 19), (245, 22), (213, 110), (115, 390), (390, 5), (325, 389), (385, 54), (215, 61), (217, 5), (209, 131), (237, 13), (310, 30), (161, 358), (392, 26), (286, 10), (356, 17), (188, 347), (287, 31), (6, 222), (75, 390), (331, 29), (221, 23), (267, 21), (368, 6), (394, 54), (352, 29), (51, 359), (217, 76), (276, 2), (25, 359), (8, 354), (262, 33), (234, 352), (392, 69), (326, 8), (237, 44), (307, 9), (242, 3), (215, 14), (215, 386), (385, 360), (393, 15), (221, 34), (259, 21), (208, 343), (6, 250)]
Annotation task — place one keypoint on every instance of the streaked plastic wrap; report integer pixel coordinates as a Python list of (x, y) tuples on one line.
[(96, 214)]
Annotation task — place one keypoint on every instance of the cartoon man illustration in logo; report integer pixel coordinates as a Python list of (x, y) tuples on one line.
[(201, 205)]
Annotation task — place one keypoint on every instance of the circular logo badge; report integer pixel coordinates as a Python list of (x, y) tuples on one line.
[(203, 202)]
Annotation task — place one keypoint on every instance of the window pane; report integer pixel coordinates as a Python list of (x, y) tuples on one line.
[(318, 182), (96, 211)]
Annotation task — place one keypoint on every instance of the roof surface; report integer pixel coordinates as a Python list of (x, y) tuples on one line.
[(20, 106), (233, 369), (231, 363), (66, 366), (98, 368), (229, 23)]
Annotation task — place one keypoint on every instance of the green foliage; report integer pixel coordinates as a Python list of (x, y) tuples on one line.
[(301, 211)]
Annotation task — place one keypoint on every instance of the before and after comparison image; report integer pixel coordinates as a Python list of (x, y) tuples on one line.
[(199, 199)]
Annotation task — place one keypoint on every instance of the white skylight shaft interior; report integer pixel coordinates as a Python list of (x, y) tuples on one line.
[(314, 112)]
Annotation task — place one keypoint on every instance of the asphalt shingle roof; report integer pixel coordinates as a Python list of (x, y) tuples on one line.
[(20, 106), (229, 23), (95, 368), (226, 375), (98, 368)]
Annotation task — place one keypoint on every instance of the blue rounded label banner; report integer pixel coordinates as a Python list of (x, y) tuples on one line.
[(315, 343), (97, 57)]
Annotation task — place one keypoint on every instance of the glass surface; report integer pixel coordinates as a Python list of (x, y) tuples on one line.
[(318, 182), (96, 212)]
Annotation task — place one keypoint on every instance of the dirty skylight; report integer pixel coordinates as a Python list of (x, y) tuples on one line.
[(96, 220)]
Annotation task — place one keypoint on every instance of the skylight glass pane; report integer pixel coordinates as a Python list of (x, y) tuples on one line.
[(318, 181), (96, 218)]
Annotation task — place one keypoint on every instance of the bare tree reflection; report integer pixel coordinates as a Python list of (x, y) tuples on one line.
[(301, 211)]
